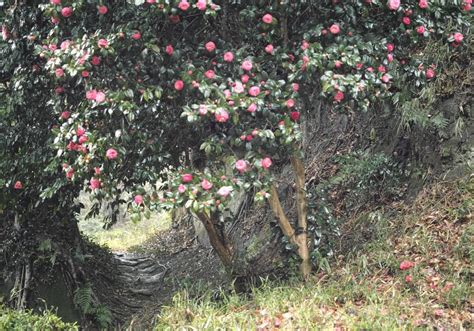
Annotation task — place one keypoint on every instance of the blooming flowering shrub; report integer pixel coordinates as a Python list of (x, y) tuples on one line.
[(212, 94)]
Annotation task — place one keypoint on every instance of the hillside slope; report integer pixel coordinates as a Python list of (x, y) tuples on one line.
[(367, 288)]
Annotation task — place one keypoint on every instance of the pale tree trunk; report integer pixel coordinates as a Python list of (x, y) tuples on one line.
[(301, 206), (298, 237)]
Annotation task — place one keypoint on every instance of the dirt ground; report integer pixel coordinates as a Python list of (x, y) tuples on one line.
[(135, 284)]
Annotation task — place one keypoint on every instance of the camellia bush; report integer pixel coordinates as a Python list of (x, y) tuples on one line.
[(207, 97)]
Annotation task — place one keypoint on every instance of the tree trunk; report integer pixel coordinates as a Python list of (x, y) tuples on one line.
[(299, 237), (283, 221), (302, 208), (218, 239)]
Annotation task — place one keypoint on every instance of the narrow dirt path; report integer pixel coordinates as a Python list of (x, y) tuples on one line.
[(135, 285), (139, 276)]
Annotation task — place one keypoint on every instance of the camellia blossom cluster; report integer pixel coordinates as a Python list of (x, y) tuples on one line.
[(240, 106)]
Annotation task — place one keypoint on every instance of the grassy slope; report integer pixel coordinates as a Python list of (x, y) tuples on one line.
[(126, 234), (365, 289)]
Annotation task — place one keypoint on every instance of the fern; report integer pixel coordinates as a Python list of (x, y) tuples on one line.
[(439, 121), (103, 316), (83, 298)]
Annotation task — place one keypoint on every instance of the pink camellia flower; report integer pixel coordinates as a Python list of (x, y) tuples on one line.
[(228, 57), (59, 72), (337, 64), (95, 60), (18, 185), (266, 163), (206, 185), (183, 5), (136, 35), (254, 91), (59, 90), (71, 146), (408, 278), (179, 85), (381, 68), (244, 78), (290, 103), (467, 7), (224, 191), (227, 94), (241, 166), (210, 46), (269, 49), (304, 45), (430, 73), (405, 265), (339, 96), (295, 115), (202, 110), (420, 29), (169, 50), (393, 4), (201, 4), (390, 47), (55, 20), (221, 115), (296, 87), (70, 173), (334, 29), (91, 94), (385, 78), (181, 188), (65, 115), (267, 18), (66, 11), (187, 178), (210, 74), (103, 10), (458, 37), (247, 65), (138, 199), (85, 73), (65, 44), (99, 97), (55, 2), (423, 4), (80, 131), (151, 2), (252, 108), (238, 88), (390, 57), (111, 154), (97, 170), (5, 32), (103, 43), (83, 139), (406, 20), (94, 183)]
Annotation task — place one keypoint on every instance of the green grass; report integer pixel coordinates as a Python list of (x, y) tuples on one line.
[(126, 234), (363, 289), (13, 320)]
